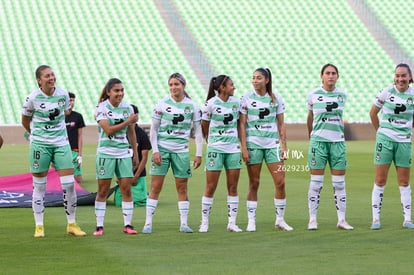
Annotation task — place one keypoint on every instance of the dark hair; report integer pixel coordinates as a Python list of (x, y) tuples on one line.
[(403, 65), (268, 75), (38, 72), (329, 65), (136, 111), (108, 86), (72, 95), (180, 78), (215, 84)]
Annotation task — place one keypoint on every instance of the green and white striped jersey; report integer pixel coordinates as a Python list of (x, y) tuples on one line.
[(261, 129), (115, 145), (175, 123), (397, 107), (327, 108), (223, 116), (47, 126)]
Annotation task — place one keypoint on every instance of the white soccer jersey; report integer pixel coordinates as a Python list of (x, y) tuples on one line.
[(223, 135), (397, 113), (175, 123), (47, 126), (261, 128), (115, 145), (327, 108)]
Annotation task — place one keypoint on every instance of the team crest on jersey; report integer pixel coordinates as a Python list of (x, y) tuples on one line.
[(125, 114), (61, 102), (234, 108), (211, 163), (377, 157), (35, 164), (340, 98), (313, 162), (187, 110), (409, 100)]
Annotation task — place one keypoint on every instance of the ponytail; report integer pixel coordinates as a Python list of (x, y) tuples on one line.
[(215, 84)]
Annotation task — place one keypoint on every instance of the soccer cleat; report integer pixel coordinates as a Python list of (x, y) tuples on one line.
[(185, 229), (408, 224), (147, 229), (251, 226), (376, 225), (313, 225), (344, 225), (39, 231), (203, 227), (129, 229), (99, 231), (231, 227), (282, 225), (75, 230)]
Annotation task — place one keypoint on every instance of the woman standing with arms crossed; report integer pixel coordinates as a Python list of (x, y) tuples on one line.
[(43, 117), (327, 144), (219, 123), (263, 137), (116, 120), (169, 135), (393, 141)]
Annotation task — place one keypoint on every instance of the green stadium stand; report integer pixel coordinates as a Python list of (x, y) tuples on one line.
[(294, 39), (398, 17), (88, 42)]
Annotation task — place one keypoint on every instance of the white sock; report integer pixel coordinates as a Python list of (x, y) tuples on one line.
[(69, 197), (232, 208), (314, 192), (206, 205), (38, 198), (338, 183), (280, 205), (377, 196), (183, 208), (150, 210), (100, 209), (405, 192), (127, 211), (251, 210)]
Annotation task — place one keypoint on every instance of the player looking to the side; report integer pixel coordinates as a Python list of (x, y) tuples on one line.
[(219, 123), (116, 120), (393, 141), (327, 144), (43, 117)]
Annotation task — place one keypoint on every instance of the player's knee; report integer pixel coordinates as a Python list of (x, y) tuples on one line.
[(316, 183), (338, 182)]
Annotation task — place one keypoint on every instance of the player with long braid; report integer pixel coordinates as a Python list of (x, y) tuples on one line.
[(327, 144), (43, 117)]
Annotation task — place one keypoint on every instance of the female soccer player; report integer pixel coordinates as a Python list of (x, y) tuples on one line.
[(43, 117), (327, 144), (393, 141), (170, 133), (116, 119), (219, 125), (263, 137)]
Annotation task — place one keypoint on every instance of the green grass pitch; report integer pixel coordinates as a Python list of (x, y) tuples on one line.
[(166, 251)]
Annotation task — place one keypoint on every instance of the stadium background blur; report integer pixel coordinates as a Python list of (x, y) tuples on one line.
[(86, 42)]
